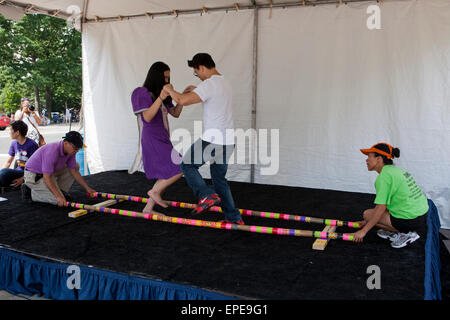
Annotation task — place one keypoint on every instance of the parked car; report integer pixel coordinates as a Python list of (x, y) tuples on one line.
[(4, 121), (56, 118)]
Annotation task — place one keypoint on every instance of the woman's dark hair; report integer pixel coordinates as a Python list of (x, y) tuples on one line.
[(385, 148), (20, 126), (155, 80)]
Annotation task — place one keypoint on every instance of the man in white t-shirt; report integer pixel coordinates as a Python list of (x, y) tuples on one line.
[(217, 142)]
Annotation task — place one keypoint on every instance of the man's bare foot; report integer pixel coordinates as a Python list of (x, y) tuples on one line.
[(149, 207), (157, 198)]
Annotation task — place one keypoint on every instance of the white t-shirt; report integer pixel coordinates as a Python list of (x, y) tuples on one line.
[(217, 97)]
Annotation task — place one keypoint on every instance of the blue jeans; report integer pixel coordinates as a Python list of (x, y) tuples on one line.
[(200, 153), (8, 175)]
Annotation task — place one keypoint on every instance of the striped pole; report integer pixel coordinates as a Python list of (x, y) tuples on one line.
[(262, 214), (216, 225)]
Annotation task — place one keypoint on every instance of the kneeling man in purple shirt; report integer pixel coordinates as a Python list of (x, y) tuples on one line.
[(52, 169)]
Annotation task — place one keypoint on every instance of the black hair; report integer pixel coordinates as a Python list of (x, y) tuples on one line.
[(201, 59), (20, 126), (384, 147), (155, 80)]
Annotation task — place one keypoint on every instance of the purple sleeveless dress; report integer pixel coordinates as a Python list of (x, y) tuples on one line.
[(159, 158)]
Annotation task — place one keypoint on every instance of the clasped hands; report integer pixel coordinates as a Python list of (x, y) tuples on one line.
[(168, 90)]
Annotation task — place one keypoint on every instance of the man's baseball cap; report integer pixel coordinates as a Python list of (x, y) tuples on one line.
[(201, 59), (382, 148), (75, 138), (24, 99)]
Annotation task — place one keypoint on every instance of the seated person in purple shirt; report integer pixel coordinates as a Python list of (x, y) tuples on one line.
[(50, 172), (21, 149)]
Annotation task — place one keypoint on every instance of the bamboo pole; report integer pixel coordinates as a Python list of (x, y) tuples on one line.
[(320, 244), (246, 212), (81, 212), (215, 225)]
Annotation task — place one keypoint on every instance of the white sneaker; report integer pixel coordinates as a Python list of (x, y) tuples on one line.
[(404, 239), (388, 234)]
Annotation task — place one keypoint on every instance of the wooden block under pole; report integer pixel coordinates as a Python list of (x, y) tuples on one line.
[(320, 244), (82, 212)]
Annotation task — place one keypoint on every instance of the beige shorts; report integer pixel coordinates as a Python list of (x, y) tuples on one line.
[(63, 180)]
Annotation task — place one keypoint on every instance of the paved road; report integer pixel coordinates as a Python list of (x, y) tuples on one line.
[(51, 133), (5, 295)]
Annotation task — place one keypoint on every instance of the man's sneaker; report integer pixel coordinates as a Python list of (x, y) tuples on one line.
[(26, 193), (240, 222), (404, 239), (206, 203), (388, 234)]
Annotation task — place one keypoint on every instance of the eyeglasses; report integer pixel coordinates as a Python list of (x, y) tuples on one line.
[(73, 146)]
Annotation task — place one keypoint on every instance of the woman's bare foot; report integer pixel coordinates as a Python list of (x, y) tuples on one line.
[(149, 206), (157, 198)]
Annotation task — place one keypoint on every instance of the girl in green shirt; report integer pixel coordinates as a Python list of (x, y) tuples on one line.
[(401, 206)]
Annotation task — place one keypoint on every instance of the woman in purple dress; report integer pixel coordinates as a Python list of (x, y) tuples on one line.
[(160, 160)]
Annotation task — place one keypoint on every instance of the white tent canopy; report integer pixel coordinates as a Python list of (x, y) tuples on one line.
[(318, 74)]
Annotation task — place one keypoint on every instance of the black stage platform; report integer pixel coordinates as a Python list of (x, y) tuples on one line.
[(234, 263)]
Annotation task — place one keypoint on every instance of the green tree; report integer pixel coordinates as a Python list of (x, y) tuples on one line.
[(11, 90), (43, 53), (10, 98), (6, 38)]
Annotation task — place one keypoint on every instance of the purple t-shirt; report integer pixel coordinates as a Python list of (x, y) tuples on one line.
[(50, 158), (22, 152)]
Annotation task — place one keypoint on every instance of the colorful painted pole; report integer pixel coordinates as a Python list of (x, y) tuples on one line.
[(216, 225), (262, 214)]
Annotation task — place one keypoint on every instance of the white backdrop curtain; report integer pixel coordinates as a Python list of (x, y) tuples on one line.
[(118, 56), (333, 86), (328, 83)]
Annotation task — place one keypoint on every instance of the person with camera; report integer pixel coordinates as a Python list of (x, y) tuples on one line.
[(30, 116)]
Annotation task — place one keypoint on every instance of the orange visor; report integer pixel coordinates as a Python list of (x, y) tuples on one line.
[(375, 149)]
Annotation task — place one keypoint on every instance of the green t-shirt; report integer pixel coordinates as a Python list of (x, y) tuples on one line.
[(397, 190)]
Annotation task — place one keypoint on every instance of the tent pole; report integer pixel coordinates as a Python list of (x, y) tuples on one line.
[(85, 10), (255, 77), (83, 20), (239, 7)]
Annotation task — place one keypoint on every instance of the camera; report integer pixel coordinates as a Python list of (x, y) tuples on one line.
[(31, 107)]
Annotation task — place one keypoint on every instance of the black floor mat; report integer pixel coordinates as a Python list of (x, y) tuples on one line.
[(237, 263)]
